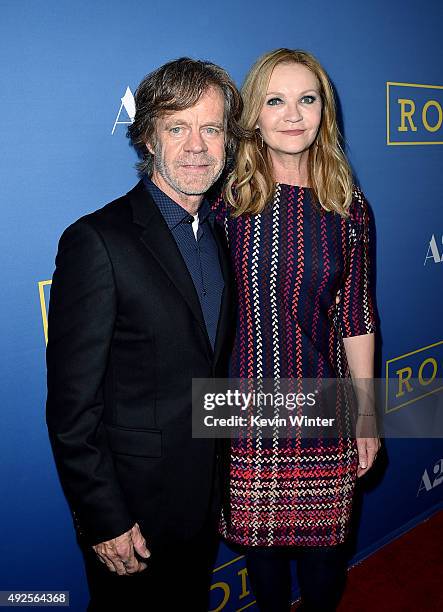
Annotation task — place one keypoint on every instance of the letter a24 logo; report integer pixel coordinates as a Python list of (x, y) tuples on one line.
[(127, 106), (429, 482), (433, 254)]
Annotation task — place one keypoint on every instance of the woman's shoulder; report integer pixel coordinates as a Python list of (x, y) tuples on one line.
[(219, 202), (218, 205)]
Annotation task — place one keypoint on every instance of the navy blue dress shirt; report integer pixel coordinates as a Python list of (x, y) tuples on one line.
[(199, 252)]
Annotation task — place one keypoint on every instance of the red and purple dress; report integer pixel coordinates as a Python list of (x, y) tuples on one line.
[(293, 263)]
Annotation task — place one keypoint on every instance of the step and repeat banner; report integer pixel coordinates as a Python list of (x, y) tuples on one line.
[(69, 71)]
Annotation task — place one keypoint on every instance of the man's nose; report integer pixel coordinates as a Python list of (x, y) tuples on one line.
[(195, 142)]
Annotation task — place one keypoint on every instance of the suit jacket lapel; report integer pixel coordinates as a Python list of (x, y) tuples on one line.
[(157, 238)]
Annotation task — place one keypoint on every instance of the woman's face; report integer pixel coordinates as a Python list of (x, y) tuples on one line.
[(291, 114)]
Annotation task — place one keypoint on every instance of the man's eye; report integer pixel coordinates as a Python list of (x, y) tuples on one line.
[(212, 130), (274, 101), (175, 130), (308, 99)]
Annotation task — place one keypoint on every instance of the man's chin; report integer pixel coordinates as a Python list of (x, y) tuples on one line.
[(195, 187)]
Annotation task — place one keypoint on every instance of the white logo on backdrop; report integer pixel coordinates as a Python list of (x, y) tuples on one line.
[(127, 106), (426, 483), (433, 252)]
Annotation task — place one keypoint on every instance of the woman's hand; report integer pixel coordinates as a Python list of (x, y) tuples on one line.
[(367, 452)]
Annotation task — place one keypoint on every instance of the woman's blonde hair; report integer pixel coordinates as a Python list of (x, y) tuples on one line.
[(251, 185)]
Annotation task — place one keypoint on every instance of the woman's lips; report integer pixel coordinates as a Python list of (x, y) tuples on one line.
[(292, 132)]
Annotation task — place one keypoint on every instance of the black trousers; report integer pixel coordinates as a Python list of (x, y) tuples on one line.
[(178, 576), (321, 573)]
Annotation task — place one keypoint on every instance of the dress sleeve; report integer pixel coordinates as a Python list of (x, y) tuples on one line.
[(357, 308)]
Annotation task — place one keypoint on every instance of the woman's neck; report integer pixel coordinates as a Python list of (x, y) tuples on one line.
[(290, 169)]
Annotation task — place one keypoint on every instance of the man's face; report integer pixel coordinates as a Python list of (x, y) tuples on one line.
[(189, 147)]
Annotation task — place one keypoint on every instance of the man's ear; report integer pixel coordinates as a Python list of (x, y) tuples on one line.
[(149, 147)]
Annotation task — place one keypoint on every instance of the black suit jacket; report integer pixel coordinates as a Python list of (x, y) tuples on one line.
[(126, 336)]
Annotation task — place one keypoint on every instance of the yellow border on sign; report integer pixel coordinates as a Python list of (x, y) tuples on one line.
[(220, 567), (247, 606), (424, 348), (41, 292), (395, 143)]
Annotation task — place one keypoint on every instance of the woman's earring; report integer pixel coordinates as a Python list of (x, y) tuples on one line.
[(260, 142)]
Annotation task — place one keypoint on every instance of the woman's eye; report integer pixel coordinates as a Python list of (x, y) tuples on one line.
[(308, 99), (274, 101)]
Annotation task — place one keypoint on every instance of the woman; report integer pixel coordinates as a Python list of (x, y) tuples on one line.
[(298, 235)]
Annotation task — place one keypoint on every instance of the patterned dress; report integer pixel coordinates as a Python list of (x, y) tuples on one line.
[(291, 262)]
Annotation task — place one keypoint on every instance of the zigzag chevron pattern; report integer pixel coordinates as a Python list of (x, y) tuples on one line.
[(290, 264)]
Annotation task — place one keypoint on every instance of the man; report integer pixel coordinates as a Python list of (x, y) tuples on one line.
[(140, 304)]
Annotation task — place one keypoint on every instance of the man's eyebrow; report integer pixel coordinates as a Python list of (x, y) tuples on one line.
[(171, 121), (216, 124)]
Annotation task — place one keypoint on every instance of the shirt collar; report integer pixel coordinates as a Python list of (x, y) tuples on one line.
[(172, 212)]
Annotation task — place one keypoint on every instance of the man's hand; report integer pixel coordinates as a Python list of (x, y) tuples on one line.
[(118, 554), (367, 452)]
